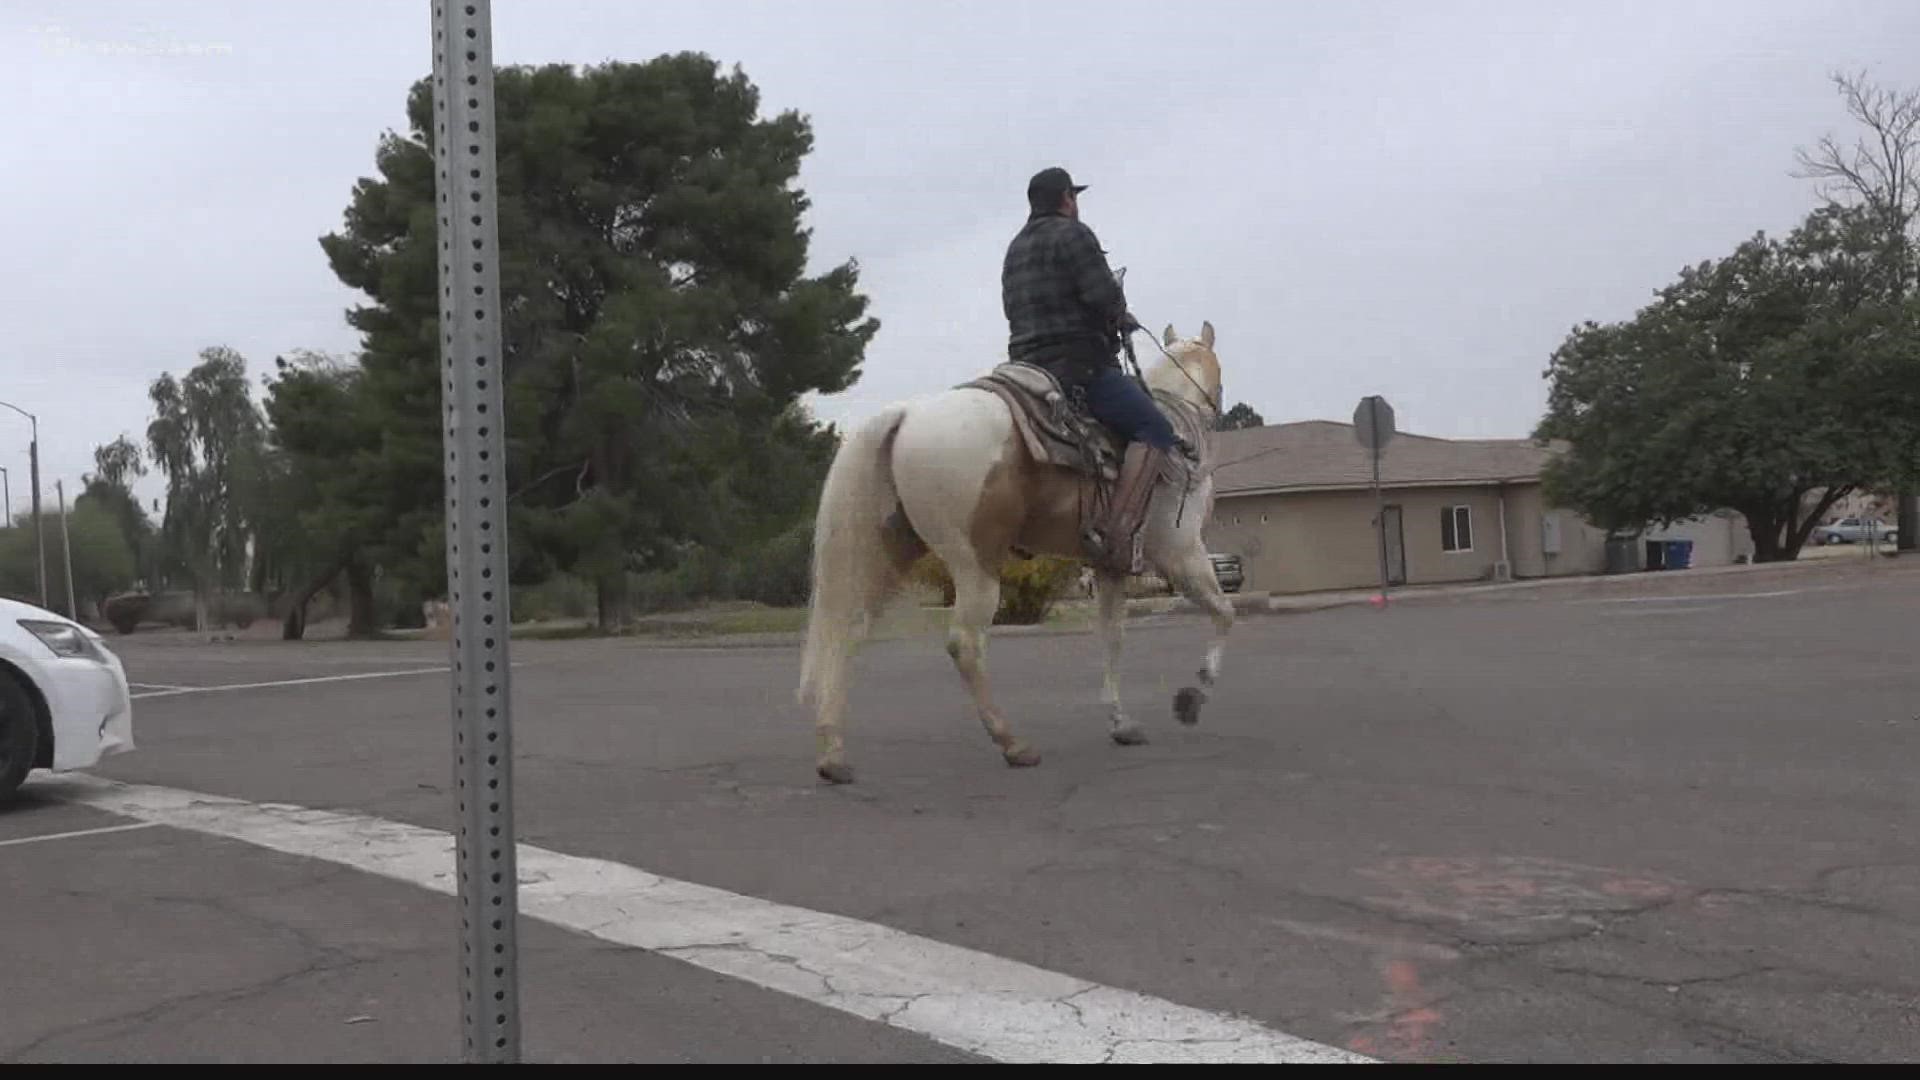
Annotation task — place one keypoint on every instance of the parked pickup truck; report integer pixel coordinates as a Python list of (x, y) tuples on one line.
[(1227, 570), (1852, 530)]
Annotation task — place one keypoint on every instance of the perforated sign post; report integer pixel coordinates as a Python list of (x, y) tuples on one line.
[(463, 147), (1373, 426)]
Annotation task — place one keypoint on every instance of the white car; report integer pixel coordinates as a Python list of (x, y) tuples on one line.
[(64, 701)]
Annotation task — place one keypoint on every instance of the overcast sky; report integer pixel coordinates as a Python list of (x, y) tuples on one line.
[(1417, 199)]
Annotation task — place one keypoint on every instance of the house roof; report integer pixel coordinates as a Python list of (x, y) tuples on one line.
[(1323, 455)]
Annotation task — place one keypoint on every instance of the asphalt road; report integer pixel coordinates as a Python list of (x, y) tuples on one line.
[(1673, 822)]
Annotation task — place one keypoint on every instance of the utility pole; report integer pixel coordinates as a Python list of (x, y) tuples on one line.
[(66, 548)]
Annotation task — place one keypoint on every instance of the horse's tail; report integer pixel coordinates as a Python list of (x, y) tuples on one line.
[(853, 566)]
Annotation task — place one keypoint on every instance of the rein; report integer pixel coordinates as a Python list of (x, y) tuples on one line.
[(1168, 401)]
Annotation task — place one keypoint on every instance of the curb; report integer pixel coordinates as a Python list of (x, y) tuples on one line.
[(1303, 603)]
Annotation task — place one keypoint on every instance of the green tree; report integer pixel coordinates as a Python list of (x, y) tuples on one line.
[(1239, 417), (1752, 382), (118, 463), (759, 477), (325, 518), (205, 437), (655, 268), (110, 487), (19, 572), (103, 561)]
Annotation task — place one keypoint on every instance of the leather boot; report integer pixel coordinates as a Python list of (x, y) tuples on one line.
[(1114, 543)]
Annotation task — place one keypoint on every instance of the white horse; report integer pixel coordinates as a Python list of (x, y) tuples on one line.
[(950, 473)]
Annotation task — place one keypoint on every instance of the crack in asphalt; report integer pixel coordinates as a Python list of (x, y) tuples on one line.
[(1724, 1034), (1822, 879), (1479, 952), (148, 1014), (317, 958), (1669, 985), (1822, 903)]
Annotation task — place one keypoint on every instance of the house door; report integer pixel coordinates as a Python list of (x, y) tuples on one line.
[(1396, 547)]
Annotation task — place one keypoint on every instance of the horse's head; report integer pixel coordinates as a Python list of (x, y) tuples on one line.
[(1189, 371)]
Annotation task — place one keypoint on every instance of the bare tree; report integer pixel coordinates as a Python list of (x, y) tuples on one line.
[(1878, 172), (1881, 168)]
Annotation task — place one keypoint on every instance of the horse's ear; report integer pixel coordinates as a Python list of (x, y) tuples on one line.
[(1169, 336), (1206, 334)]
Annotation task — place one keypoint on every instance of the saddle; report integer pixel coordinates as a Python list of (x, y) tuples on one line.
[(1056, 425)]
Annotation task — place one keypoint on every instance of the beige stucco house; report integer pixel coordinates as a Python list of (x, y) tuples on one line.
[(1295, 502)]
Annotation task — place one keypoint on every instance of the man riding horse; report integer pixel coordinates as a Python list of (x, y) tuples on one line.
[(1067, 314)]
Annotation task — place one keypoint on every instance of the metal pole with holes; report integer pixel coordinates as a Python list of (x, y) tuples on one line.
[(1380, 509), (1373, 426), (463, 141)]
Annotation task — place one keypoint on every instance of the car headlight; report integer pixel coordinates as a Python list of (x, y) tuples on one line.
[(64, 639)]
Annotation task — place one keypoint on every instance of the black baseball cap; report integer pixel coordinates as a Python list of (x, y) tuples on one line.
[(1052, 183)]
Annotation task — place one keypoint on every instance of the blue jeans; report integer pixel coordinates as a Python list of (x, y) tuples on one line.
[(1119, 402)]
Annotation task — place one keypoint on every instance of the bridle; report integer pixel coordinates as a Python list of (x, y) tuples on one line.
[(1127, 341)]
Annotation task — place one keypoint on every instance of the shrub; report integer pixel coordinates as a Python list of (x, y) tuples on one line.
[(1028, 587), (780, 574), (931, 574), (561, 596)]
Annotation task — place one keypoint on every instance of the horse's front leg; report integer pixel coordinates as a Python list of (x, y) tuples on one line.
[(1193, 575), (1112, 591)]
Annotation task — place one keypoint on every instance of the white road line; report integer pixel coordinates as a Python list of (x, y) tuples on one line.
[(1645, 613), (983, 1004), (1690, 597), (159, 686), (82, 832), (178, 690)]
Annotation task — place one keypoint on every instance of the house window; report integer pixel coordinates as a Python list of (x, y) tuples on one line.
[(1456, 528)]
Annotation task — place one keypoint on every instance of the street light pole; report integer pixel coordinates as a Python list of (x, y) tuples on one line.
[(33, 462), (6, 492)]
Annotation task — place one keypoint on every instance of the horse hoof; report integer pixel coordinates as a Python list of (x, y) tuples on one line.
[(835, 772), (1186, 705), (1022, 756), (1129, 734)]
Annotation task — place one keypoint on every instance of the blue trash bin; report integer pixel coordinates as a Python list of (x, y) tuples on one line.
[(1679, 554)]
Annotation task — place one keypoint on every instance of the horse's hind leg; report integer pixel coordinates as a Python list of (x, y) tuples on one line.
[(976, 598), (893, 549)]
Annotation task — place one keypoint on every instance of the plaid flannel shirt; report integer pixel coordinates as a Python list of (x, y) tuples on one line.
[(1062, 304)]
